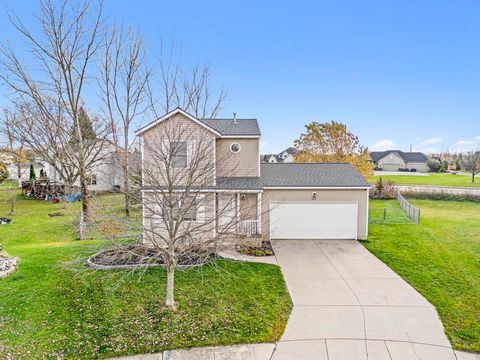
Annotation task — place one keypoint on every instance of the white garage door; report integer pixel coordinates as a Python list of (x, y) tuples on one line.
[(313, 220)]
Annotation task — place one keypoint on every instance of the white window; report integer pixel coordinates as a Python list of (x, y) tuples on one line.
[(92, 179), (179, 154), (189, 208), (235, 147)]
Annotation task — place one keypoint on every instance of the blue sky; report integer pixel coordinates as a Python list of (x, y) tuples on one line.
[(396, 72)]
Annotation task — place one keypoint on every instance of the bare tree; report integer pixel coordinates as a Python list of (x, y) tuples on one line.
[(65, 49), (471, 163), (188, 89), (15, 147), (185, 218), (124, 84)]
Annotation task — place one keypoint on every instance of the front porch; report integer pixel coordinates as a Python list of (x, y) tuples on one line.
[(239, 213)]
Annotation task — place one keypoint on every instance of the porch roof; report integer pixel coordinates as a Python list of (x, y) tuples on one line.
[(239, 183)]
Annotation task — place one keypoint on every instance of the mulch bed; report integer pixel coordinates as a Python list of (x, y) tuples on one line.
[(138, 255), (264, 250)]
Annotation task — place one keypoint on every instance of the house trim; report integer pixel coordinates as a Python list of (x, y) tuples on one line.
[(240, 136), (210, 191), (170, 114), (367, 212), (316, 187)]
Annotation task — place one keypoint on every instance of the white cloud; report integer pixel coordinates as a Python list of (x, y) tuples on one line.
[(427, 150), (434, 140), (382, 145), (466, 145)]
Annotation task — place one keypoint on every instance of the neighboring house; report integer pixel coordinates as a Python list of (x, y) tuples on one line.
[(285, 200), (105, 175), (286, 156), (38, 165), (397, 160)]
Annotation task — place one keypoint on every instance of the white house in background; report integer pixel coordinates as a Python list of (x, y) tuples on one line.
[(106, 175), (286, 156)]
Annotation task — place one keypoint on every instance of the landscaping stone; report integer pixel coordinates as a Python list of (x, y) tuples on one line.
[(7, 266), (233, 254)]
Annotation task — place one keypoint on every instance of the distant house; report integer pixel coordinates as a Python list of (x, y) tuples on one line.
[(105, 174), (286, 156), (397, 160)]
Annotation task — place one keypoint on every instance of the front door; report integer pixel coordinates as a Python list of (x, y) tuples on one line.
[(226, 212)]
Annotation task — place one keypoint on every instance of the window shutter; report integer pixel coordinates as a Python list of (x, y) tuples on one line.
[(201, 209)]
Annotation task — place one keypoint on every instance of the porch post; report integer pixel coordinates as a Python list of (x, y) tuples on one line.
[(215, 214), (259, 213), (238, 212)]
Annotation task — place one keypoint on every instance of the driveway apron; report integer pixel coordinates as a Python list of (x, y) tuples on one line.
[(350, 305)]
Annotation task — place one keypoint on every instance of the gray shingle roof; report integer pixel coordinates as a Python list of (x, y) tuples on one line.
[(228, 127), (311, 175), (407, 156), (239, 183)]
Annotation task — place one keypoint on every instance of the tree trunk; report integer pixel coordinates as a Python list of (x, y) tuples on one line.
[(473, 176), (170, 263), (126, 184), (170, 298), (126, 167), (83, 226)]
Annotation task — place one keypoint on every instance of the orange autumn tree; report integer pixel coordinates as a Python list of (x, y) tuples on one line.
[(332, 142)]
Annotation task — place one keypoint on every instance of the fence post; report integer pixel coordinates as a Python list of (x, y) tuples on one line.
[(384, 215)]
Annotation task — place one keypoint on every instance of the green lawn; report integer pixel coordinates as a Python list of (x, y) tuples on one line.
[(441, 259), (393, 213), (431, 179), (56, 307)]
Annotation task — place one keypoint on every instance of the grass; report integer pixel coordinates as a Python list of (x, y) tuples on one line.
[(53, 306), (441, 259), (394, 213), (431, 179)]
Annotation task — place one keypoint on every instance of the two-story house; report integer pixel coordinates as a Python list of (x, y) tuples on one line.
[(274, 200)]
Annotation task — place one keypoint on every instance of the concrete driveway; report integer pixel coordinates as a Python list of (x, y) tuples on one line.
[(350, 305)]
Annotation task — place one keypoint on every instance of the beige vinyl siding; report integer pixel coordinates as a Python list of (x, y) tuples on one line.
[(248, 206), (243, 163), (419, 166), (196, 136), (359, 195), (391, 162), (205, 214)]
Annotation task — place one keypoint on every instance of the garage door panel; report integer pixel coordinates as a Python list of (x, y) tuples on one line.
[(313, 220)]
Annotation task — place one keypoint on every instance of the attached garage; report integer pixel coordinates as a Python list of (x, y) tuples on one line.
[(313, 220), (314, 201)]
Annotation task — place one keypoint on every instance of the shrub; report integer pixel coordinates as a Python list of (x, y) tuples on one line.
[(383, 190), (440, 196), (32, 173), (434, 166), (3, 172)]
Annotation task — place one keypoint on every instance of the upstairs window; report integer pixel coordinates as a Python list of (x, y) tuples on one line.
[(235, 148), (179, 154)]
